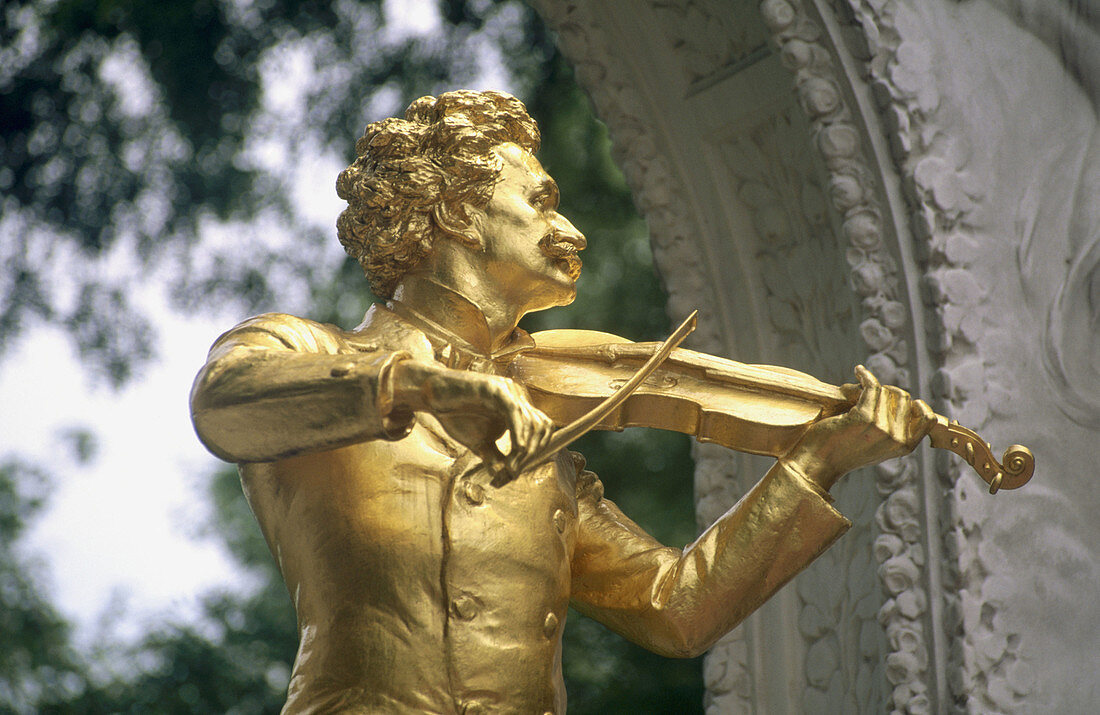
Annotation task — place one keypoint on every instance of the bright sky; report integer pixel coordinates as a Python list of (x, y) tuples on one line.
[(122, 529), (122, 526)]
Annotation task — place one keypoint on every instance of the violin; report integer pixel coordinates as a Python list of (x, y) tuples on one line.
[(592, 380)]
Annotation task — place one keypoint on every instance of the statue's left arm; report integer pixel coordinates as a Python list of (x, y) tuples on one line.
[(679, 602)]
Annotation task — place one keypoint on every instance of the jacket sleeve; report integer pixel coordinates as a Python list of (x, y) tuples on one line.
[(276, 386), (679, 602)]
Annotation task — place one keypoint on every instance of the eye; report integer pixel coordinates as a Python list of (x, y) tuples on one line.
[(547, 199)]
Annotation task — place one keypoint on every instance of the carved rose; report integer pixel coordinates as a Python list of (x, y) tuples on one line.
[(868, 278), (885, 369), (911, 603), (895, 474), (845, 192), (819, 97), (900, 510), (898, 573), (875, 334), (863, 229), (886, 546), (838, 141), (894, 314), (797, 54), (918, 704), (777, 13), (901, 667)]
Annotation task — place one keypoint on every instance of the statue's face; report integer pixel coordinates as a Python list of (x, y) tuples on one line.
[(529, 248)]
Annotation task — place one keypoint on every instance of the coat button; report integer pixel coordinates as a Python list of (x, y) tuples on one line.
[(474, 493), (342, 370), (559, 521), (464, 608), (550, 625)]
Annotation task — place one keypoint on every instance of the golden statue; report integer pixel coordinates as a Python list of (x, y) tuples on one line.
[(408, 475)]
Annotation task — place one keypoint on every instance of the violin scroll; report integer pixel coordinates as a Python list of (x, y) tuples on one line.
[(1012, 472)]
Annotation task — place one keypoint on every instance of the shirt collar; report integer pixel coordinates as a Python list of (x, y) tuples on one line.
[(456, 350)]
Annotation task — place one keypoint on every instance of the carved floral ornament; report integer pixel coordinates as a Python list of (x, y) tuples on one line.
[(937, 192)]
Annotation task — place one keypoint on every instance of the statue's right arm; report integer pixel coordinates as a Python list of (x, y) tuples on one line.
[(276, 386)]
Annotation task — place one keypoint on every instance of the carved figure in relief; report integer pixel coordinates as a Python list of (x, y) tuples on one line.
[(1071, 344), (405, 473)]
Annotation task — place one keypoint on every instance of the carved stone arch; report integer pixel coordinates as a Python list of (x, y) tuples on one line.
[(910, 183), (754, 153)]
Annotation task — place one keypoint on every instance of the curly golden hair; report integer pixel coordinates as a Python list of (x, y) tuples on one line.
[(440, 153)]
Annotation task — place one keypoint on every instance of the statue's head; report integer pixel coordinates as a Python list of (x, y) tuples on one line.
[(414, 178)]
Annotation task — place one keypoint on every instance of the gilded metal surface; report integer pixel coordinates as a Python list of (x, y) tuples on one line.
[(1012, 472), (760, 409), (623, 389), (421, 583)]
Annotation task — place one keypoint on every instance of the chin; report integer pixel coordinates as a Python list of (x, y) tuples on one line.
[(567, 288), (568, 299), (562, 291)]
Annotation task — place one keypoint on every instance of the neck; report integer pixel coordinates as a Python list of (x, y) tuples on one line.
[(484, 324)]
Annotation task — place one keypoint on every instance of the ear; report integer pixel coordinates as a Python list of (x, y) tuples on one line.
[(460, 221)]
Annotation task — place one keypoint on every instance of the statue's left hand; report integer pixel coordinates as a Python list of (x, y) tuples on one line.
[(886, 422)]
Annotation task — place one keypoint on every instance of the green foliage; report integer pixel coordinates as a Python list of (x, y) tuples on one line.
[(36, 657), (128, 126)]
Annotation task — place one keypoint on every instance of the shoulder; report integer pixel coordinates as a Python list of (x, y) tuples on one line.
[(280, 331), (380, 330)]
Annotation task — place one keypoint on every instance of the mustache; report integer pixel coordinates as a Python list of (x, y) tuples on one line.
[(555, 245)]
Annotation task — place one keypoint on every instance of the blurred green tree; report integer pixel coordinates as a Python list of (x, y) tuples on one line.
[(37, 657), (138, 129)]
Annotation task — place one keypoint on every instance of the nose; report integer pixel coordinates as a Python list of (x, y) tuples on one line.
[(566, 231)]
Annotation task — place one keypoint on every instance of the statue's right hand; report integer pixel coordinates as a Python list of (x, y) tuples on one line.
[(475, 409)]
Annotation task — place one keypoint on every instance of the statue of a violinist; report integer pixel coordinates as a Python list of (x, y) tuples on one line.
[(430, 528)]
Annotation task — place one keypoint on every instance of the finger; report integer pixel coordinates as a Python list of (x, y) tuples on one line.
[(540, 425), (547, 432), (516, 419), (521, 432), (513, 462), (870, 398), (866, 377), (529, 428), (851, 391), (542, 429), (892, 412), (921, 421), (901, 415), (501, 468)]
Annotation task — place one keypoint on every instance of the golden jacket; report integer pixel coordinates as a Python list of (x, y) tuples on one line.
[(421, 588)]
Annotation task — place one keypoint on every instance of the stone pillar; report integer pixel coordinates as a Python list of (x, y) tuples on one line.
[(992, 127), (909, 184)]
